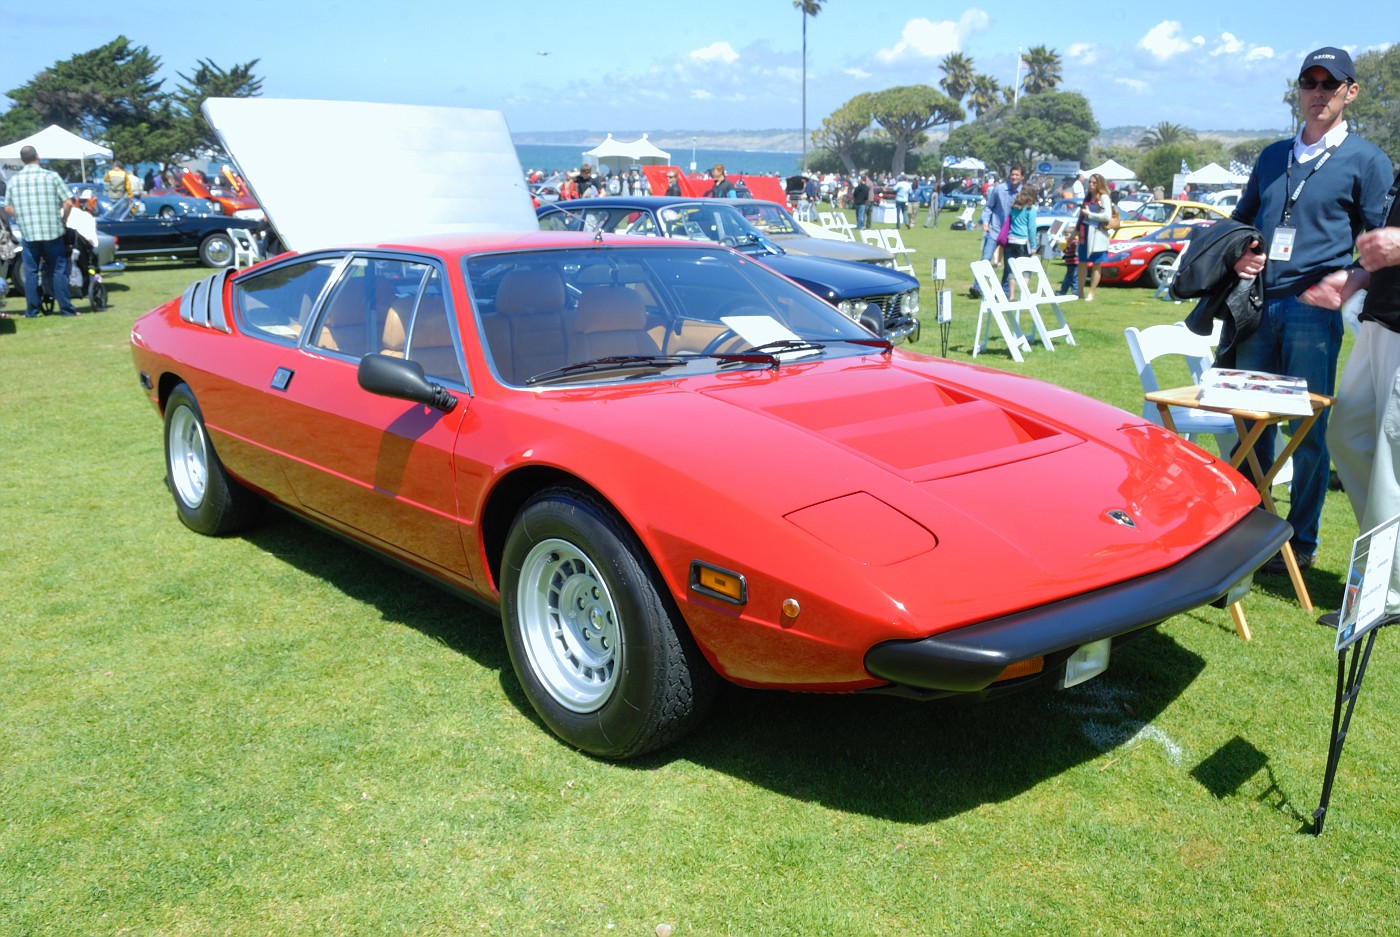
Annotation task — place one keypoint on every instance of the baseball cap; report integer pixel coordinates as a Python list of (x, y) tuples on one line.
[(1336, 61)]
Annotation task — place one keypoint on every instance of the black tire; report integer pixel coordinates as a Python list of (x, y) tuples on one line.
[(207, 500), (1158, 270), (216, 251), (97, 294), (595, 639)]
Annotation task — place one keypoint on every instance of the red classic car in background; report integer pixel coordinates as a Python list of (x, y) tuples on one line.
[(663, 462), (1149, 258)]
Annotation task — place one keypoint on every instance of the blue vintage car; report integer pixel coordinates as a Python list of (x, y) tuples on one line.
[(885, 301), (144, 234)]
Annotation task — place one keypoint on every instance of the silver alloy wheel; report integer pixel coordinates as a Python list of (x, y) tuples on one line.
[(569, 625), (216, 251), (189, 457)]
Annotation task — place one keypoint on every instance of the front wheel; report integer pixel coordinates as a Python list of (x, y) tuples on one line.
[(594, 638), (216, 251), (206, 498)]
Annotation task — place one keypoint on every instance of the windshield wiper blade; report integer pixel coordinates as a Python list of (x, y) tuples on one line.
[(611, 363)]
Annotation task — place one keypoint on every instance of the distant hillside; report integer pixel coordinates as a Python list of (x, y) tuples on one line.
[(789, 141)]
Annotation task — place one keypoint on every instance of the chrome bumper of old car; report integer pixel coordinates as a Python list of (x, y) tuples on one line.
[(970, 659)]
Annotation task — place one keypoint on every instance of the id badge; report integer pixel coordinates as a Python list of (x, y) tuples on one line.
[(1281, 245)]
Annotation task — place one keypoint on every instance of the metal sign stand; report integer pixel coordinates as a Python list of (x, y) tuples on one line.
[(1349, 677), (1361, 616), (944, 303)]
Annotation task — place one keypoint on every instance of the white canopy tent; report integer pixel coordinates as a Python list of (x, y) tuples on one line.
[(1113, 171), (1214, 174), (619, 156), (970, 163), (53, 142)]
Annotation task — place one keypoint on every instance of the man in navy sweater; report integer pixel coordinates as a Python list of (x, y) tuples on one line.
[(1310, 197)]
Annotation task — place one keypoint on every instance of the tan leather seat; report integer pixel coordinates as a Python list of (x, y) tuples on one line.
[(611, 320), (433, 347), (530, 304)]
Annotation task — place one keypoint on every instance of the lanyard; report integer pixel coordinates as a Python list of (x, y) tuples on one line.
[(1317, 164)]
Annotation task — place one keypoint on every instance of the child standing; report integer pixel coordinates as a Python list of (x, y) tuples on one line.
[(1070, 284)]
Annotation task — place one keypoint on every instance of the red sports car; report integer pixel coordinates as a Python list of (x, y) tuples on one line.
[(667, 465), (1147, 259)]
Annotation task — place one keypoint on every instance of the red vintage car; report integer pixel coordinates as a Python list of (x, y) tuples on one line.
[(1147, 259), (666, 465)]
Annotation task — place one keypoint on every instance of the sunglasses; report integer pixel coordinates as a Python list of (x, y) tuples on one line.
[(1326, 84)]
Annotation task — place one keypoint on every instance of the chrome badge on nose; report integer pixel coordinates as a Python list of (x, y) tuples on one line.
[(1121, 517)]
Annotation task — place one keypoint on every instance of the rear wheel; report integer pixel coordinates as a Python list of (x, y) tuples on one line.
[(1160, 269), (216, 251), (97, 294), (207, 500), (595, 640), (167, 212)]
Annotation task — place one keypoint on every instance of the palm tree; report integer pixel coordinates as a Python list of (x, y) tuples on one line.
[(1163, 134), (1043, 71), (985, 94), (957, 75), (808, 8)]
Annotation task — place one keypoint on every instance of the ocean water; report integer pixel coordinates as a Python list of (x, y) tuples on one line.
[(551, 157)]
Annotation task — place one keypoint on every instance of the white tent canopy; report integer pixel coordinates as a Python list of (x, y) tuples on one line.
[(1113, 171), (1214, 174), (968, 162), (53, 142), (617, 155)]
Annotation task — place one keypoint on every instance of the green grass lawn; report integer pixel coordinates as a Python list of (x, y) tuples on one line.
[(278, 734)]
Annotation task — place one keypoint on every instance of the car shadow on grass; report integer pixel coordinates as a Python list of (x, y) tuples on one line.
[(924, 761), (869, 754)]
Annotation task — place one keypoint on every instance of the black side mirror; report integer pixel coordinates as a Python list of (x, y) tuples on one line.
[(388, 376)]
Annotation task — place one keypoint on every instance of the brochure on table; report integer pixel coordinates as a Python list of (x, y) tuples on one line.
[(1255, 390)]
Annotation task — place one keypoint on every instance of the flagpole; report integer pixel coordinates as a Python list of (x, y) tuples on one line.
[(1016, 88)]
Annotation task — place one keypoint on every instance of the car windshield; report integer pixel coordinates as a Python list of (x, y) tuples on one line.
[(603, 314), (770, 218), (1155, 212), (693, 221)]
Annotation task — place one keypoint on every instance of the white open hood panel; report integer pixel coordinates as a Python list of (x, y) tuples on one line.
[(407, 170)]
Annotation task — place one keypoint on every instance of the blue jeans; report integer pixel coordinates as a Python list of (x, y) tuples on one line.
[(861, 215), (1303, 341), (55, 252)]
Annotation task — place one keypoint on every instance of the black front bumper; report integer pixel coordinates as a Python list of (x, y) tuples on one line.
[(969, 659)]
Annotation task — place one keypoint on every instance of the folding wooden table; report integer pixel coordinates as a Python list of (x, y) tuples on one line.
[(1250, 425)]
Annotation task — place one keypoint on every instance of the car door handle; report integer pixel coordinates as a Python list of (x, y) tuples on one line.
[(281, 378)]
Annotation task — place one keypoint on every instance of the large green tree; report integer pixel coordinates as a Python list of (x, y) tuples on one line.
[(1048, 125), (957, 75), (111, 94), (839, 132), (808, 8), (908, 112), (1043, 70), (211, 81), (985, 94), (1376, 110)]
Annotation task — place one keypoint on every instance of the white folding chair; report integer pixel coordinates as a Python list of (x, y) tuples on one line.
[(1147, 346), (872, 237), (1035, 288), (894, 243), (245, 249), (1164, 289), (995, 306)]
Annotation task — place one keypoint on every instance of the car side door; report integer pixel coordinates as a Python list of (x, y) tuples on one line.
[(378, 467)]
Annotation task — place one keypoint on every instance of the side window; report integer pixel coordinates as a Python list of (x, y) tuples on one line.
[(431, 342), (370, 307), (277, 303), (559, 221)]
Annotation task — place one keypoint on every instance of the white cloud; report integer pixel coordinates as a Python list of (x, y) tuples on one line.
[(716, 52), (924, 39), (1082, 53), (700, 94), (1165, 40), (1135, 84), (857, 73), (1227, 44), (1259, 53)]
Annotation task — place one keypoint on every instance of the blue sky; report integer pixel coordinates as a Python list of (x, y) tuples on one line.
[(720, 65)]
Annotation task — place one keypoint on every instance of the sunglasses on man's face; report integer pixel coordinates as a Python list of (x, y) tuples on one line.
[(1326, 84)]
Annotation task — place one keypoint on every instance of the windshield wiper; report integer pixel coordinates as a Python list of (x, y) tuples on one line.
[(611, 363)]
